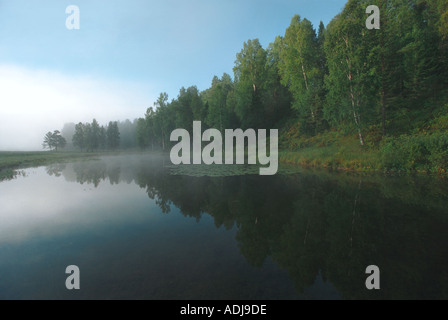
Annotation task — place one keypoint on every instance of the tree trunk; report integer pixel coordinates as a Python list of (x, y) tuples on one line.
[(361, 138), (220, 119), (383, 104), (356, 115), (383, 78), (305, 78)]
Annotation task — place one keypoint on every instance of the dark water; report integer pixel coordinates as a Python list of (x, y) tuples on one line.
[(137, 231)]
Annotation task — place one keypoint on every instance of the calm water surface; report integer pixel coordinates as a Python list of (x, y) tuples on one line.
[(139, 229)]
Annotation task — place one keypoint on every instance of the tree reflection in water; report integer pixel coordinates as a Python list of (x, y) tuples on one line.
[(313, 224)]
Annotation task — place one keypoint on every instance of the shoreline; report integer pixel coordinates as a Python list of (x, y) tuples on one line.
[(12, 161)]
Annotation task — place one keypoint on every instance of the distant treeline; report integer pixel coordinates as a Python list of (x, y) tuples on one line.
[(377, 84), (93, 136)]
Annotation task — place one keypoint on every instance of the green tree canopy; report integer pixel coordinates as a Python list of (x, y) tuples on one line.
[(54, 140)]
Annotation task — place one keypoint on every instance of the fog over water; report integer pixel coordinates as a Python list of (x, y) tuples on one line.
[(138, 227)]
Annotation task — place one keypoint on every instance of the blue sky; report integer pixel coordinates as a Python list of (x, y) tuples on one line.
[(124, 54)]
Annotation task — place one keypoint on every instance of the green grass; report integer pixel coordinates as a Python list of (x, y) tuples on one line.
[(424, 151), (10, 161), (337, 152)]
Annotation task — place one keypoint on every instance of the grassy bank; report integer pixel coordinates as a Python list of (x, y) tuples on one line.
[(423, 151), (12, 161), (341, 154)]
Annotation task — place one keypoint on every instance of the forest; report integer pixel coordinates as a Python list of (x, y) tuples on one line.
[(341, 95)]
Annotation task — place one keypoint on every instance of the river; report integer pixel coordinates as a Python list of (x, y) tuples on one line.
[(139, 228)]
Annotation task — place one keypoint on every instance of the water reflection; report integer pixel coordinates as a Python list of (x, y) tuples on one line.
[(55, 169), (319, 227)]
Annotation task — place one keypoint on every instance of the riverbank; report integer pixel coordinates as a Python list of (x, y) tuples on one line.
[(423, 152), (10, 161), (345, 157)]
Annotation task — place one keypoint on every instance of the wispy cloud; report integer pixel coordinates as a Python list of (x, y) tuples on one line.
[(33, 102)]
